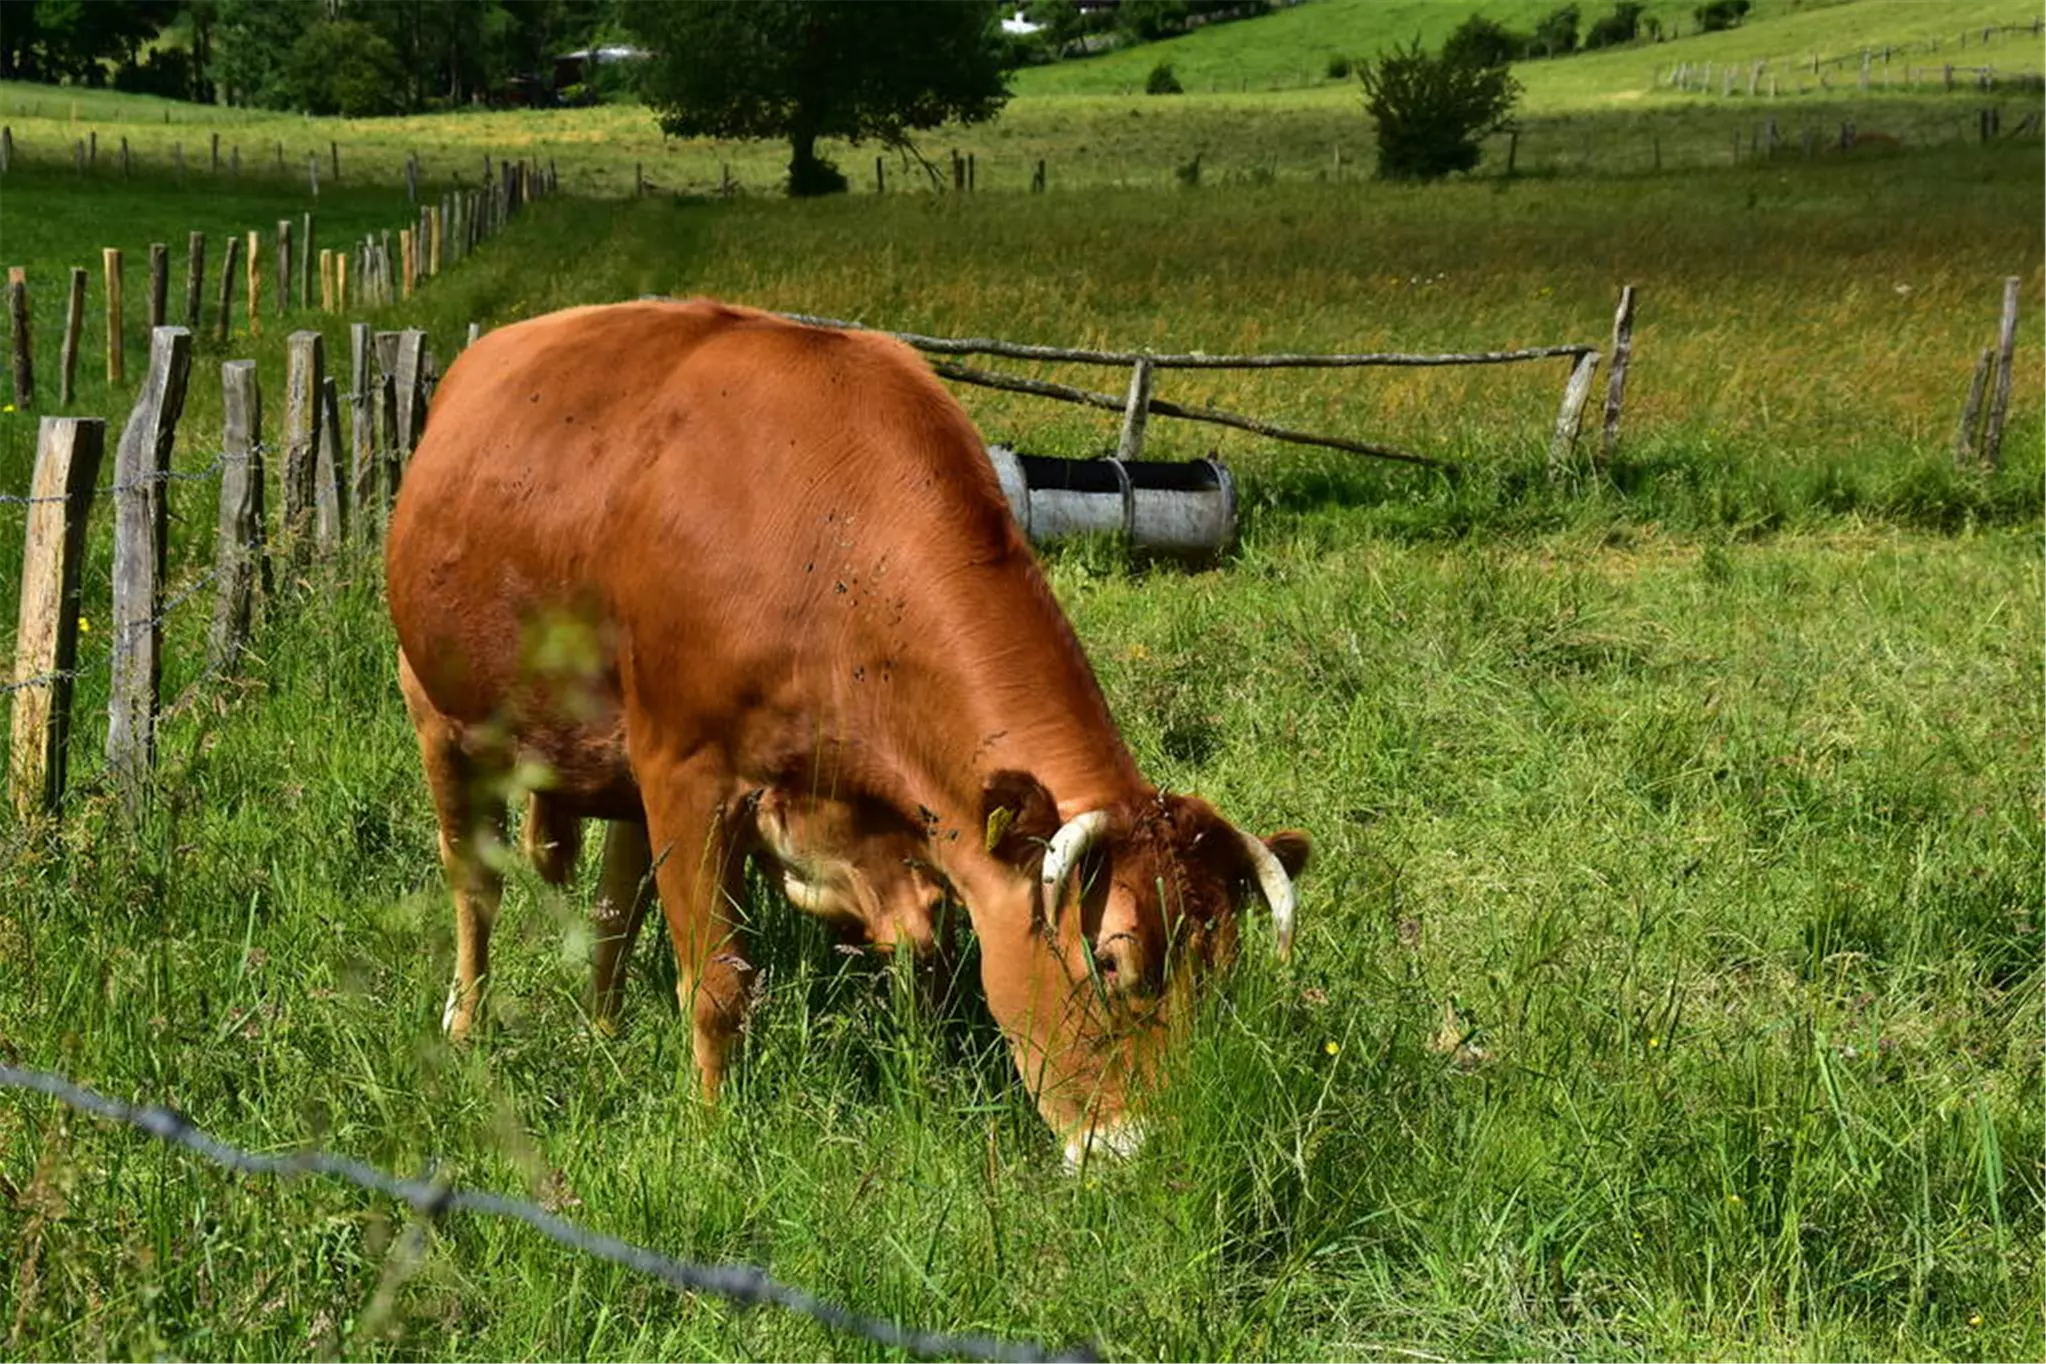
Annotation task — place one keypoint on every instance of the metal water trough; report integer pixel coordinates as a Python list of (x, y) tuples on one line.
[(1180, 511)]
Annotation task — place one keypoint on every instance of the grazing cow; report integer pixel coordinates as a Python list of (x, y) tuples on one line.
[(733, 583)]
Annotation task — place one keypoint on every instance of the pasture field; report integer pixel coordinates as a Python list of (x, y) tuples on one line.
[(1259, 107), (1290, 49), (1668, 982)]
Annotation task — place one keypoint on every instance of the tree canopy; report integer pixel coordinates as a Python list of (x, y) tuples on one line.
[(319, 56), (811, 69)]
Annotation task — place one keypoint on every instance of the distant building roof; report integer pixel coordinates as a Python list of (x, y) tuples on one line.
[(604, 54), (1019, 25)]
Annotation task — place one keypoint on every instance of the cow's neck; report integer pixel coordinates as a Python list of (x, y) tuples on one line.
[(1019, 696)]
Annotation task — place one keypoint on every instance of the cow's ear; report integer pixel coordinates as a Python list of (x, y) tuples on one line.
[(1018, 816), (1292, 847)]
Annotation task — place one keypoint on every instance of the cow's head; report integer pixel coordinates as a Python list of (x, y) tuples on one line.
[(1140, 905)]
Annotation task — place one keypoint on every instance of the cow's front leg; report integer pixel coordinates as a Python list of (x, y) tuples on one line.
[(699, 869)]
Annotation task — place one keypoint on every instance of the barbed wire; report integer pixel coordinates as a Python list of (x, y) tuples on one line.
[(105, 660), (739, 1283), (161, 476)]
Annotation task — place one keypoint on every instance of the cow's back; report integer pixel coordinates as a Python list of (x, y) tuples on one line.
[(718, 494)]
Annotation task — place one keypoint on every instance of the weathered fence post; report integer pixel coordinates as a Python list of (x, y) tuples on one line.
[(239, 555), (255, 282), (385, 349), (1571, 415), (283, 266), (24, 363), (340, 281), (227, 264), (362, 435), (195, 280), (1136, 413), (1999, 402), (74, 327), (68, 454), (140, 523), (411, 404), (306, 372), (110, 262), (1964, 438), (1616, 378), (405, 258), (330, 509), (306, 247), (159, 283)]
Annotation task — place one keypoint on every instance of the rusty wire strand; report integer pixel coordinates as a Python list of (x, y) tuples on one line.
[(739, 1283)]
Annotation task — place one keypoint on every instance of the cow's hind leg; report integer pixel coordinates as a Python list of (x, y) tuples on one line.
[(700, 874), (472, 827), (623, 893)]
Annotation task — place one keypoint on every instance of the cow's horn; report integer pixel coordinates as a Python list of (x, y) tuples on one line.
[(1277, 888), (1067, 847)]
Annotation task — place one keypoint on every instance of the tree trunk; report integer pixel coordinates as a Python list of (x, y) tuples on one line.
[(808, 174)]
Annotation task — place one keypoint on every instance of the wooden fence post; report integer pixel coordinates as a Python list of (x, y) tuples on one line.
[(159, 283), (1571, 415), (283, 266), (386, 353), (140, 523), (24, 362), (340, 281), (195, 280), (1616, 378), (74, 326), (306, 373), (240, 560), (1964, 438), (330, 508), (306, 247), (406, 258), (227, 264), (362, 435), (1136, 413), (1999, 403), (110, 261), (255, 282), (68, 454), (411, 401)]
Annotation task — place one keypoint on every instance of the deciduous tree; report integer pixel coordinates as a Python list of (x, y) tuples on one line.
[(813, 69)]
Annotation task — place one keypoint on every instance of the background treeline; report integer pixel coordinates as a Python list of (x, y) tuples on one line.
[(353, 57)]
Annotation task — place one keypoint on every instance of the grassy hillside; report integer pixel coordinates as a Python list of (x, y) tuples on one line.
[(1258, 109), (1290, 48)]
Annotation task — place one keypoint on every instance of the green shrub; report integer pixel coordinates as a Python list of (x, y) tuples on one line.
[(1162, 81), (1479, 41), (1432, 110), (1717, 15), (1338, 67)]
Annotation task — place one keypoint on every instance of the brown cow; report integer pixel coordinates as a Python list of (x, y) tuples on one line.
[(782, 564)]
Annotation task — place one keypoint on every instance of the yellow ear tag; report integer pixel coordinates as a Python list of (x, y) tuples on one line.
[(998, 821)]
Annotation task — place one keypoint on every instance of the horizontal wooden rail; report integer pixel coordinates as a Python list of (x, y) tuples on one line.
[(988, 379), (984, 345)]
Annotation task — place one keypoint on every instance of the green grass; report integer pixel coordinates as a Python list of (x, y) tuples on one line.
[(1705, 798), (1258, 109), (1290, 49)]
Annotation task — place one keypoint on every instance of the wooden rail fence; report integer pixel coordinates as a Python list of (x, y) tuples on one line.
[(305, 276), (327, 500), (1140, 403)]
